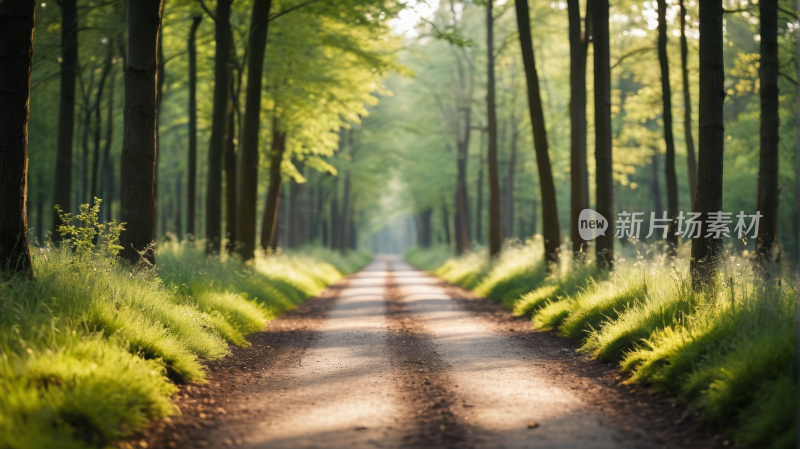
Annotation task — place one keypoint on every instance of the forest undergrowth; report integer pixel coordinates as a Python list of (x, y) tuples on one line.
[(92, 348), (728, 350)]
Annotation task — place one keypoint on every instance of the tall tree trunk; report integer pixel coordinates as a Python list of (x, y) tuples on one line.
[(768, 195), (96, 156), (550, 228), (139, 138), (461, 219), (191, 195), (270, 222), (666, 94), (508, 184), (318, 217), (494, 184), (93, 192), (691, 163), (352, 236), (16, 57), (179, 205), (425, 219), (248, 151), (230, 182), (479, 208), (344, 226), (797, 210), (216, 144), (66, 110), (579, 172), (108, 165), (278, 239), (334, 214), (159, 96), (604, 190), (40, 219), (292, 231), (655, 187), (83, 164), (711, 143), (446, 223)]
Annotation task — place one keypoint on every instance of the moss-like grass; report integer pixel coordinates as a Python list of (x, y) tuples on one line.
[(91, 349), (728, 349)]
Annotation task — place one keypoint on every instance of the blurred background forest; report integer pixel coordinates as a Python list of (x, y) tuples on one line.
[(372, 114)]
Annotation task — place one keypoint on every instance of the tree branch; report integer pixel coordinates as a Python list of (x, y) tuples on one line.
[(634, 52), (208, 11), (789, 78), (790, 13), (287, 11)]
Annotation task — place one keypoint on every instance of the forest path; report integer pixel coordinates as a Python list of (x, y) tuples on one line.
[(392, 357)]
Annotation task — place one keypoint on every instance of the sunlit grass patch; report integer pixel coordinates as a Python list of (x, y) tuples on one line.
[(516, 271), (90, 349), (727, 349), (466, 271), (553, 313), (569, 278), (605, 304), (428, 259)]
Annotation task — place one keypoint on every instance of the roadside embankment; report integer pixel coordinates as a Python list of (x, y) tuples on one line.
[(727, 350)]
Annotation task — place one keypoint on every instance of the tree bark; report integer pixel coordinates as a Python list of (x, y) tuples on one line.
[(579, 172), (108, 165), (604, 189), (248, 150), (446, 223), (494, 184), (691, 163), (230, 182), (666, 94), (270, 221), (479, 208), (139, 137), (216, 144), (461, 219), (334, 214), (179, 205), (83, 156), (425, 227), (16, 58), (507, 205), (62, 194), (344, 226), (93, 192), (191, 196), (711, 143), (159, 96), (655, 186), (768, 195), (551, 230), (797, 209)]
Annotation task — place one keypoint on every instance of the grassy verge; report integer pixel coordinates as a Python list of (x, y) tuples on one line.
[(91, 349), (729, 350)]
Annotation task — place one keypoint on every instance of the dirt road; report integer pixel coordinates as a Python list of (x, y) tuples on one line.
[(392, 357)]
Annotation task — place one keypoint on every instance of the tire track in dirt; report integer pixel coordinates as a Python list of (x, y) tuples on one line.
[(219, 412), (421, 377)]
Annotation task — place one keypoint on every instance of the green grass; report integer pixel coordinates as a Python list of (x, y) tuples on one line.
[(91, 349), (727, 350), (428, 259)]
